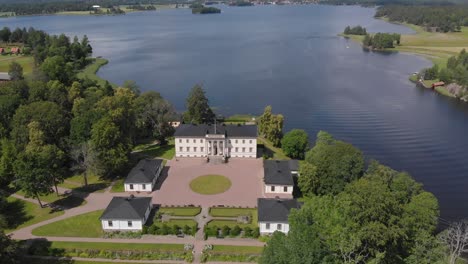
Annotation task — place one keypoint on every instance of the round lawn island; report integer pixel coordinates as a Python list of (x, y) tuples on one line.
[(210, 184)]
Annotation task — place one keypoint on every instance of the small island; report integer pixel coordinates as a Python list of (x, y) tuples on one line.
[(201, 9)]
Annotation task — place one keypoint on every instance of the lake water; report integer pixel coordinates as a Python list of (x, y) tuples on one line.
[(290, 57)]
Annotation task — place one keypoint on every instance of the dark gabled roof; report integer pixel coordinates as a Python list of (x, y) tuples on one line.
[(293, 165), (144, 171), (127, 208), (277, 172), (275, 210), (189, 130)]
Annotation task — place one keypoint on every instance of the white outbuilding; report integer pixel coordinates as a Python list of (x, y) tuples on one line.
[(273, 214), (126, 213), (143, 177)]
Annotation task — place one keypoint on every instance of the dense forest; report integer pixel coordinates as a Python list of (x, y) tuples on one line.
[(53, 125), (29, 7), (432, 18)]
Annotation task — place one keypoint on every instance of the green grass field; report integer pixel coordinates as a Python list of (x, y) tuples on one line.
[(154, 150), (118, 186), (91, 70), (27, 62), (239, 119), (76, 182), (23, 214), (85, 225), (179, 222), (234, 212), (210, 184), (180, 211), (274, 152)]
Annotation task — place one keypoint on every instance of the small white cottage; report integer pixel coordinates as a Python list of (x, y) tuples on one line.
[(278, 177), (126, 213), (143, 177), (273, 214)]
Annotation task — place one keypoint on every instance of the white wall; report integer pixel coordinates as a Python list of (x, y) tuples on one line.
[(273, 227), (279, 189), (137, 187), (191, 143), (237, 147), (246, 147), (122, 225)]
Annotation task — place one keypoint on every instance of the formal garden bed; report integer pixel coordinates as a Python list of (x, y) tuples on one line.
[(210, 184), (180, 211), (230, 228), (224, 253), (85, 225), (22, 214), (123, 251)]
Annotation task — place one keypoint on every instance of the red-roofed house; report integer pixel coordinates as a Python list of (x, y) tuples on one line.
[(2, 50), (15, 50), (437, 84)]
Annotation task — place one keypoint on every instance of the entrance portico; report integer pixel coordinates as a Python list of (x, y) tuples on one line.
[(216, 145)]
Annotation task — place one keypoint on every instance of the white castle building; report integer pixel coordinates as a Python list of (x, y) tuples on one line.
[(239, 141)]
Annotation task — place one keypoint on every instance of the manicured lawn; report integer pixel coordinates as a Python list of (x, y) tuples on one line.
[(179, 222), (118, 186), (234, 212), (180, 211), (85, 225), (27, 62), (154, 150), (237, 249), (117, 246), (270, 150), (76, 182), (210, 184), (239, 119), (50, 198), (22, 214), (90, 71)]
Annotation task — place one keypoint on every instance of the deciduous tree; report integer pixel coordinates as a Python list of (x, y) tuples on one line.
[(295, 143)]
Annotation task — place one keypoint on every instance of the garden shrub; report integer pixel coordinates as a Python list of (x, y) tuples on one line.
[(225, 231), (235, 231)]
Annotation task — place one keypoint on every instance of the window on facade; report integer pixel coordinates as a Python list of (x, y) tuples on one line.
[(272, 188), (250, 141), (180, 140), (130, 224), (243, 141), (236, 141), (243, 149), (250, 149), (194, 141), (229, 141), (237, 149), (180, 149), (195, 149), (278, 227), (267, 225), (201, 140), (131, 186), (202, 149), (143, 186), (109, 223), (186, 140), (285, 188), (188, 149)]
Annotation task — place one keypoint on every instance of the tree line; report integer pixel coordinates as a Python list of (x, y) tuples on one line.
[(433, 18), (357, 30), (32, 7), (353, 213), (380, 41)]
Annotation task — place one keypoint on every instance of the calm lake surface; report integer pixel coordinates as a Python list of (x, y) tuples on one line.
[(290, 57)]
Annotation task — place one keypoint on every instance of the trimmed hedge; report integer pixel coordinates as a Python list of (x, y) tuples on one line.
[(226, 231), (170, 229)]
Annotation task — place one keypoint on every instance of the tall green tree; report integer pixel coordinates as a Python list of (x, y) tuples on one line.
[(270, 126), (198, 108), (7, 158), (15, 71), (295, 143), (337, 163)]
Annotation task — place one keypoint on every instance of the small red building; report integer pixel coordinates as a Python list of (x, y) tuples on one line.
[(437, 84), (2, 51), (15, 50)]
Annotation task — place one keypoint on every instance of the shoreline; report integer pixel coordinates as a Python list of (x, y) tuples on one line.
[(433, 46)]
